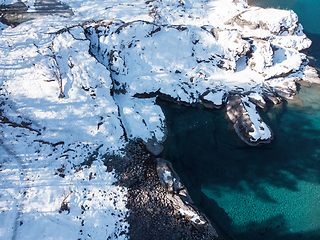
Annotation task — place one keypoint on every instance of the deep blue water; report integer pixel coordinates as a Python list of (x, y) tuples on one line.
[(268, 192)]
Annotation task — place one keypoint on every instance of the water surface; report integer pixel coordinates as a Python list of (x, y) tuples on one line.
[(268, 192)]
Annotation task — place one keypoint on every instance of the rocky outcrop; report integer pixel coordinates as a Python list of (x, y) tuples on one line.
[(246, 121), (168, 177), (17, 13), (255, 50), (154, 146), (265, 67), (180, 198), (212, 99)]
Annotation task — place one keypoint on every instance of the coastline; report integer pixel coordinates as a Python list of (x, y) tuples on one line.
[(112, 103), (157, 209)]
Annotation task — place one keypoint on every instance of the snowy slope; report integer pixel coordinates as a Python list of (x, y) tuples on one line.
[(74, 88), (47, 194)]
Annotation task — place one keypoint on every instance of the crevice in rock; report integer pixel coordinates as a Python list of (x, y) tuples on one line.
[(94, 52)]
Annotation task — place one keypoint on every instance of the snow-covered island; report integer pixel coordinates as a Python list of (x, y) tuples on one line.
[(80, 127)]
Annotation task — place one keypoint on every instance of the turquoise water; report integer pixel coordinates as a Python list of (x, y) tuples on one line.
[(269, 192)]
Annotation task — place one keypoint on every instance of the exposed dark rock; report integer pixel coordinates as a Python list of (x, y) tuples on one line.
[(235, 108), (18, 7), (169, 179), (14, 14), (258, 102), (271, 97), (242, 22), (47, 7), (154, 146), (154, 213)]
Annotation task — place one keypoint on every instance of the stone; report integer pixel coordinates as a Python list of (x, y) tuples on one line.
[(169, 179), (251, 133), (14, 14), (154, 147), (235, 108)]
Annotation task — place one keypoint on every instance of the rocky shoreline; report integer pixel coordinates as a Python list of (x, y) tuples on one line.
[(159, 205)]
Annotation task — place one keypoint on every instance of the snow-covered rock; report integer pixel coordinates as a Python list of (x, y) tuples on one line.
[(191, 65), (247, 121)]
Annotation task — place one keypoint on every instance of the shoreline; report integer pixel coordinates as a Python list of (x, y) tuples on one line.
[(121, 106), (156, 210)]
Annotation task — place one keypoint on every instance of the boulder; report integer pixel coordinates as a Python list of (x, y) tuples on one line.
[(154, 147), (246, 121), (169, 179)]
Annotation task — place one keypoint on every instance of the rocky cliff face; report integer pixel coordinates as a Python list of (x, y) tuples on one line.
[(90, 79)]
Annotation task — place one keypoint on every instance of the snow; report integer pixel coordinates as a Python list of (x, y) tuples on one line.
[(215, 97), (256, 96), (192, 215), (141, 118), (37, 178), (166, 175), (260, 130), (81, 86), (46, 139)]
